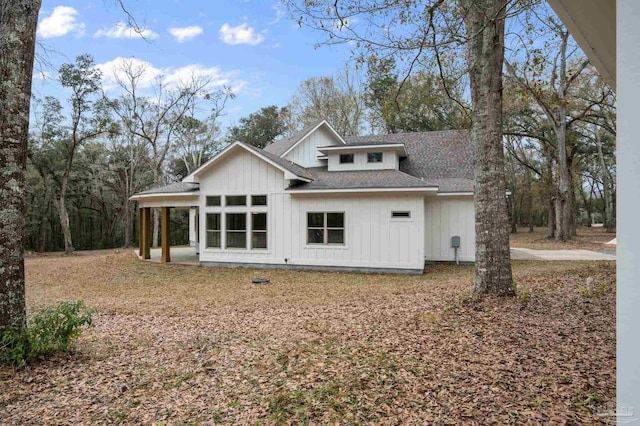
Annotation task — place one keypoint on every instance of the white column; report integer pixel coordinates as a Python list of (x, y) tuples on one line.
[(628, 203)]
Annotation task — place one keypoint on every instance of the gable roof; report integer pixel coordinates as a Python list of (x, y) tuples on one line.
[(297, 171), (294, 168), (282, 146)]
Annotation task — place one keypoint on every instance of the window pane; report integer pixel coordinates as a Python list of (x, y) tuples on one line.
[(346, 158), (213, 201), (335, 220), (236, 221), (213, 239), (259, 240), (236, 200), (315, 236), (374, 157), (259, 221), (258, 200), (213, 221), (315, 220), (236, 239), (336, 236)]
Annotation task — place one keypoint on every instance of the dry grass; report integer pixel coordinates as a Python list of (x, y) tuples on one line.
[(180, 344), (587, 239)]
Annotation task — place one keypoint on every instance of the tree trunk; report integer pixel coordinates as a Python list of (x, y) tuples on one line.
[(127, 223), (563, 200), (484, 22), (609, 210), (529, 200), (18, 20), (64, 215), (514, 217)]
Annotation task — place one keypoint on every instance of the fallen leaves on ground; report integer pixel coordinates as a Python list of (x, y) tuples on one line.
[(587, 239), (180, 344)]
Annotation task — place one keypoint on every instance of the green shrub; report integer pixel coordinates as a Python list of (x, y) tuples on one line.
[(49, 330)]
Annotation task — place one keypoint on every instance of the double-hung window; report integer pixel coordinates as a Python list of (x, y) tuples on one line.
[(213, 230), (325, 228), (258, 230), (236, 235)]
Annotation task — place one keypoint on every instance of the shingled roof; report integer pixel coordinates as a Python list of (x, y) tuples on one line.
[(430, 155), (281, 146), (172, 188), (359, 179)]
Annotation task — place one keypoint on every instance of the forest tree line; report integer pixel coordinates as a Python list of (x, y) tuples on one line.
[(89, 152)]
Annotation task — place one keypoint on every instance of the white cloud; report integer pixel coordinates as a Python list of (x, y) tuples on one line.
[(242, 34), (279, 13), (41, 75), (113, 71), (62, 21), (122, 30), (185, 33)]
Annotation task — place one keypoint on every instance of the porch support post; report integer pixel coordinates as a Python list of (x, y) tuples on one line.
[(166, 238), (145, 232)]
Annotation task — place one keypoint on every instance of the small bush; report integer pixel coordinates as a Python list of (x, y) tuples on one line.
[(49, 330)]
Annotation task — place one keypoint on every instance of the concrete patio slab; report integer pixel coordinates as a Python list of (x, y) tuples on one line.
[(529, 254)]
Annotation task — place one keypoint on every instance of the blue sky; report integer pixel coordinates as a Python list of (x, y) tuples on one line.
[(253, 45)]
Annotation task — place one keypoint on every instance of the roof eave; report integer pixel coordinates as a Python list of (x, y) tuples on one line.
[(164, 194), (356, 190)]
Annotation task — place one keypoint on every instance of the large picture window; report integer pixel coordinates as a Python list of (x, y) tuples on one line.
[(325, 228), (236, 226), (213, 230), (258, 230)]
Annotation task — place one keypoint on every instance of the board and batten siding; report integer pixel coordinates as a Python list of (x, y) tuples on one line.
[(445, 217), (373, 239), (306, 153)]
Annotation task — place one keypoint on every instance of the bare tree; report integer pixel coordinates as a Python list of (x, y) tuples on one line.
[(553, 96), (84, 81), (154, 117), (339, 100), (197, 140), (18, 21)]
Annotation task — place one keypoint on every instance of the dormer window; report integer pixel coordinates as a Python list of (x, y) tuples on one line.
[(374, 157), (346, 158)]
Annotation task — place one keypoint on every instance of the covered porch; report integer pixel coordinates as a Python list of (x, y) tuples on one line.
[(166, 199)]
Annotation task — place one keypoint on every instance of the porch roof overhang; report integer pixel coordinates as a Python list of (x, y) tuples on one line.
[(180, 199)]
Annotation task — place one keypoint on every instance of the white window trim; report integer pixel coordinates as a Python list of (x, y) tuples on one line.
[(326, 230), (266, 232), (223, 210)]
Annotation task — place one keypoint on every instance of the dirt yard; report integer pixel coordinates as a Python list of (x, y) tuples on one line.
[(188, 345), (587, 239)]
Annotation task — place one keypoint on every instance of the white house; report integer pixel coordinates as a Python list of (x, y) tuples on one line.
[(318, 200)]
